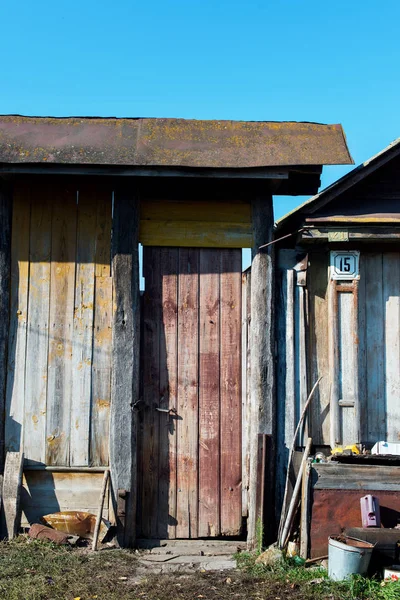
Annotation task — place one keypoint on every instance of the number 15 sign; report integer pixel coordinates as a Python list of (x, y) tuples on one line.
[(345, 264)]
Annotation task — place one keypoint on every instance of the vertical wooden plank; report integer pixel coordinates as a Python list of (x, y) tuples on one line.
[(333, 344), (262, 345), (82, 348), (391, 296), (230, 360), (356, 374), (101, 373), (301, 359), (151, 391), (38, 326), (209, 394), (167, 487), (245, 390), (125, 359), (15, 393), (318, 346), (305, 511), (346, 366), (362, 352), (102, 333), (286, 397), (187, 463), (5, 280), (103, 200), (375, 342), (289, 404), (62, 288)]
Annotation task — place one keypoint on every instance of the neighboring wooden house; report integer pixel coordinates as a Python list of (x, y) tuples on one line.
[(78, 390), (338, 301)]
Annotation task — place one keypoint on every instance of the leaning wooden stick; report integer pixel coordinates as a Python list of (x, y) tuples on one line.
[(100, 511), (295, 499), (303, 414)]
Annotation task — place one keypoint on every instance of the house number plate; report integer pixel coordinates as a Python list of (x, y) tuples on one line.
[(345, 265)]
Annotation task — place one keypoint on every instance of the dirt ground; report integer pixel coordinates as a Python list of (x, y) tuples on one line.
[(33, 570)]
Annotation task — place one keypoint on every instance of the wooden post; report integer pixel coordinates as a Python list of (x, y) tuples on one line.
[(5, 276), (125, 360), (262, 409), (305, 510)]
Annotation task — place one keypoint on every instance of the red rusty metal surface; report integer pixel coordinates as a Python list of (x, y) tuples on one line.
[(169, 142), (336, 510)]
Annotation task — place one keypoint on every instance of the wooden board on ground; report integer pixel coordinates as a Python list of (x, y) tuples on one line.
[(12, 493)]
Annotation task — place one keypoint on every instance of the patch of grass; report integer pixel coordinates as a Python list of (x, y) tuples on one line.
[(313, 583), (35, 570)]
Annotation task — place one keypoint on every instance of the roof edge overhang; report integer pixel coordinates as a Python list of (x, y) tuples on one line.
[(169, 143), (304, 212)]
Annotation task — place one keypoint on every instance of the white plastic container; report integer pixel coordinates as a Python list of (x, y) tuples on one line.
[(392, 574), (386, 448)]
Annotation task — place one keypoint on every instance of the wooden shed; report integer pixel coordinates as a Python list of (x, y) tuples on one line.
[(338, 306), (96, 374)]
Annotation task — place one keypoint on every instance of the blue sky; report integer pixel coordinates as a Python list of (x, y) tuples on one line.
[(332, 62)]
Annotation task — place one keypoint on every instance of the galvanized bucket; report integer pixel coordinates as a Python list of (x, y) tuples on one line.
[(348, 556)]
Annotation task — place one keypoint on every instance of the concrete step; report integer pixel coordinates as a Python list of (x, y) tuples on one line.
[(192, 547)]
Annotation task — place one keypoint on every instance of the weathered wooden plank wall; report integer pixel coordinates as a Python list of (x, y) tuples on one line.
[(59, 362), (190, 460), (366, 366)]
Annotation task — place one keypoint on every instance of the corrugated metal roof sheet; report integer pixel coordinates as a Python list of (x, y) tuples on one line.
[(169, 142)]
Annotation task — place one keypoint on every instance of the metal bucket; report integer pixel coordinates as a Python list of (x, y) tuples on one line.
[(348, 556)]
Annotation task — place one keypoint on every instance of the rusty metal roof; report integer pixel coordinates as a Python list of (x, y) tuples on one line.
[(169, 142)]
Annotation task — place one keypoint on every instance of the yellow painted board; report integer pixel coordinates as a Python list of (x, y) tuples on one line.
[(195, 234), (211, 211)]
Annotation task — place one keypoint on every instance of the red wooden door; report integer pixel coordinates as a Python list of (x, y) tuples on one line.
[(189, 439)]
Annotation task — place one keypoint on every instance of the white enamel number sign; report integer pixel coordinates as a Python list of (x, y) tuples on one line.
[(345, 264)]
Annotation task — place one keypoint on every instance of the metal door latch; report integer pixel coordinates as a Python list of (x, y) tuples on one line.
[(166, 410)]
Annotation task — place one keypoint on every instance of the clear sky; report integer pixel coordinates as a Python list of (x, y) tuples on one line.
[(302, 60)]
